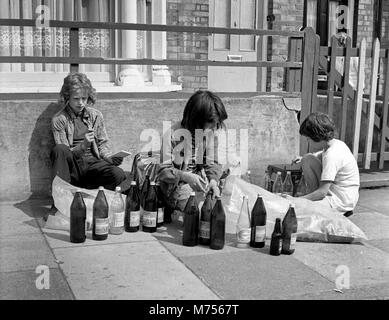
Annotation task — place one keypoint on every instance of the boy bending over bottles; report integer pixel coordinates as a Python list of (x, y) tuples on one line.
[(81, 155), (185, 166), (332, 173)]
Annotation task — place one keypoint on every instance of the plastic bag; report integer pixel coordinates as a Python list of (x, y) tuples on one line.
[(316, 222), (63, 193)]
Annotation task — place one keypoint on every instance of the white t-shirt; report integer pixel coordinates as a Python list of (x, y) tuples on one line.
[(340, 167)]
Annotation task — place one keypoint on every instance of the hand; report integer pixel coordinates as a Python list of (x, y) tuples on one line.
[(117, 161), (297, 159), (213, 186), (195, 181), (88, 138)]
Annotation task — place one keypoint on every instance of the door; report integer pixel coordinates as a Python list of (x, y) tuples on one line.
[(223, 47)]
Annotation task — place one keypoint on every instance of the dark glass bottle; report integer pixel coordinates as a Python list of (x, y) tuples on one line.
[(160, 206), (190, 236), (205, 220), (258, 224), (289, 231), (144, 191), (301, 189), (150, 210), (218, 226), (100, 216), (132, 214), (77, 218), (276, 239)]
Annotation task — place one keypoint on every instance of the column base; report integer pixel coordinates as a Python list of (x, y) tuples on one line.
[(161, 76), (130, 77)]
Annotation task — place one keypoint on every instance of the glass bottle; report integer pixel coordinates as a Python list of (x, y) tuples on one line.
[(116, 212), (100, 216), (218, 226), (289, 231), (77, 218), (243, 229), (205, 220), (276, 239), (132, 213), (191, 222), (267, 182), (160, 206), (258, 224), (277, 185), (287, 186), (301, 188), (150, 210)]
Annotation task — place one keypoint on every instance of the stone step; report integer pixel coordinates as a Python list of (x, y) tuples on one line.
[(374, 179)]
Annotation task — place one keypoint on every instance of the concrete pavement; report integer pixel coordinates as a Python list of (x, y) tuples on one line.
[(156, 266)]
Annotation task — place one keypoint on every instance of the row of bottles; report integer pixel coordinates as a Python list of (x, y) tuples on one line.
[(285, 186), (146, 211), (206, 228), (251, 229)]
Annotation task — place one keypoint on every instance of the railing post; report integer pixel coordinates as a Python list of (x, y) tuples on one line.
[(359, 98), (384, 119), (74, 45), (308, 75), (371, 112)]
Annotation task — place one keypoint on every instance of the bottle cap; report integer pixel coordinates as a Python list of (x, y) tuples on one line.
[(133, 183), (193, 193), (279, 172), (152, 183), (259, 195), (288, 172), (291, 205), (78, 190), (101, 188), (117, 189)]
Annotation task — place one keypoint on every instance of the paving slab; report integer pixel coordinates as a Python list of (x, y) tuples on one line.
[(25, 252), (21, 285), (61, 238), (367, 265), (375, 200), (15, 222), (256, 275), (382, 244), (374, 224), (171, 238), (377, 292), (138, 270)]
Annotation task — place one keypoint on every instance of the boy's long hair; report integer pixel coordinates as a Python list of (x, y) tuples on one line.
[(76, 81), (203, 107), (318, 126)]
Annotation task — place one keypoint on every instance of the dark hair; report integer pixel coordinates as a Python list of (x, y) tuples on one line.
[(318, 126), (203, 107), (76, 81)]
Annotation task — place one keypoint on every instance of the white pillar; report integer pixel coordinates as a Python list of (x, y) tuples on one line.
[(129, 74), (161, 74)]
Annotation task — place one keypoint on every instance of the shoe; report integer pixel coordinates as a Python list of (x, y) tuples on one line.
[(348, 213)]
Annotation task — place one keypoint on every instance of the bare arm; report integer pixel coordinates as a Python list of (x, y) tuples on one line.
[(320, 192)]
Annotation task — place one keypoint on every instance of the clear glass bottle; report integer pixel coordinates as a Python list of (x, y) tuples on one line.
[(287, 185), (301, 189), (277, 185), (117, 213), (243, 228), (267, 182)]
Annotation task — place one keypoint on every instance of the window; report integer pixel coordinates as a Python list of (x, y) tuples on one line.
[(329, 17)]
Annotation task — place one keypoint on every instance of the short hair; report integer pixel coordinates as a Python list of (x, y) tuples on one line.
[(318, 126), (75, 81), (203, 107)]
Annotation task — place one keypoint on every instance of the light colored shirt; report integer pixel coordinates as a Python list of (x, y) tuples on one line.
[(340, 167)]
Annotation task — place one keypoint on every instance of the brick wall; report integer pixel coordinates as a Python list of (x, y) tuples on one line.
[(188, 46), (288, 16)]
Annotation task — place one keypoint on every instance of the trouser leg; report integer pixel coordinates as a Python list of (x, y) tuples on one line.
[(312, 169), (64, 164), (102, 173)]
